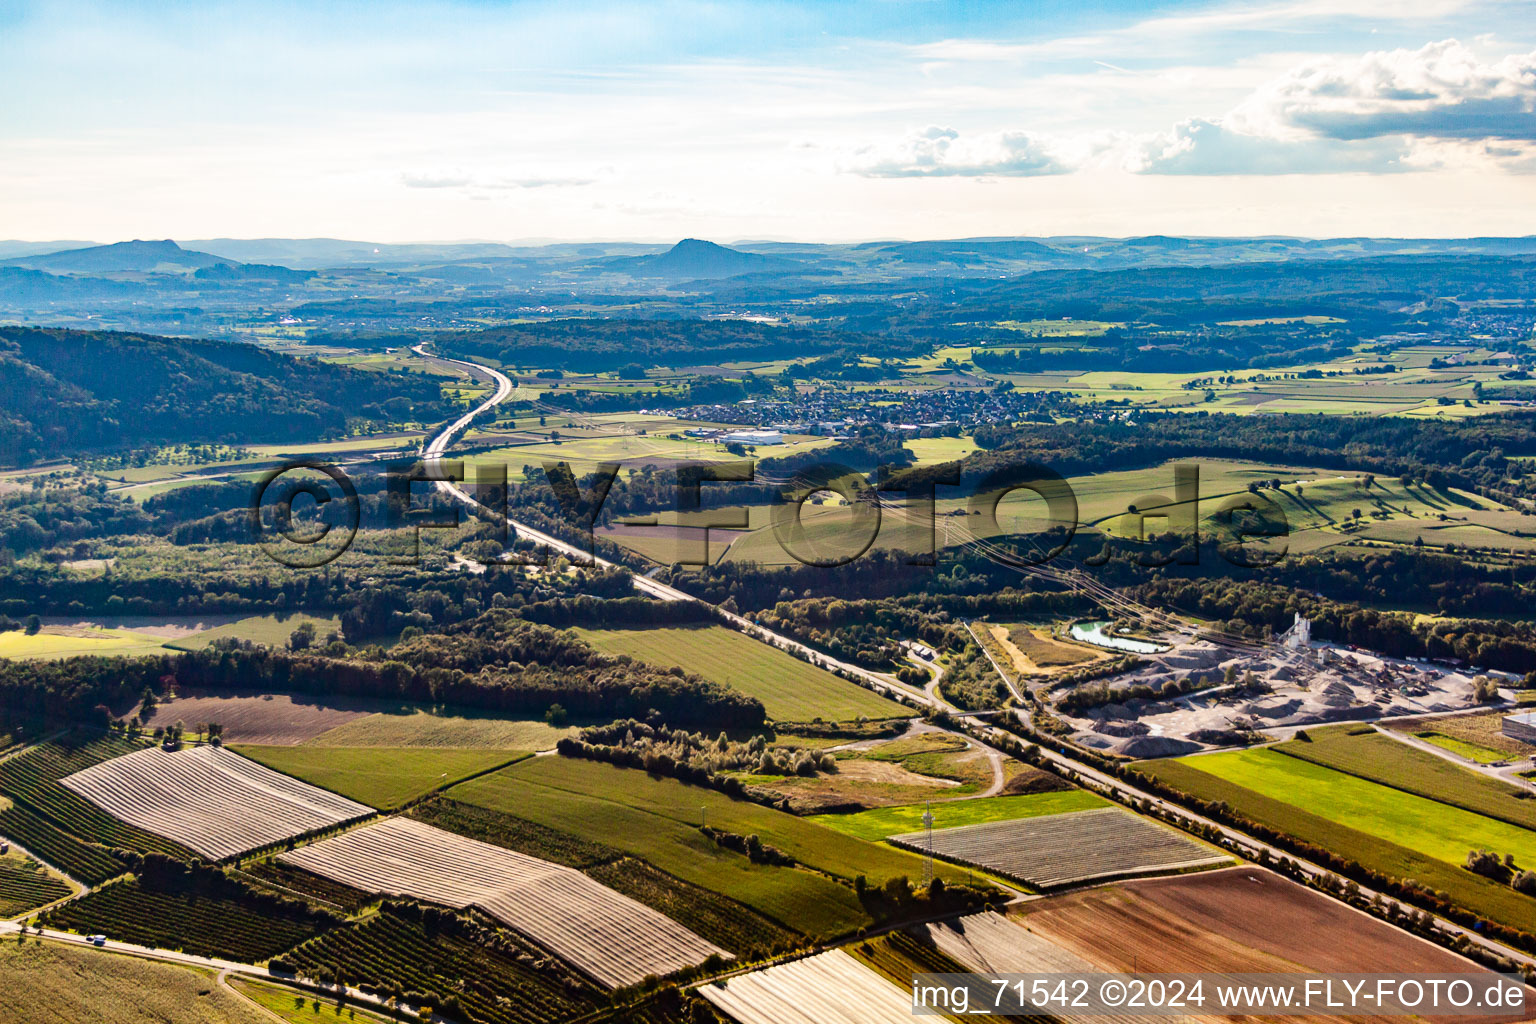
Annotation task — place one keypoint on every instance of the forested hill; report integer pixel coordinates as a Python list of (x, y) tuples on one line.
[(64, 392)]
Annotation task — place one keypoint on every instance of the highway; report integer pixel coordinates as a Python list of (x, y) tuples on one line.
[(439, 445)]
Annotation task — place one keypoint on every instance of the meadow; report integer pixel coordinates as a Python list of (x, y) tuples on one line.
[(52, 642), (791, 690), (381, 777), (1428, 826), (433, 727), (271, 630), (297, 1007), (875, 825)]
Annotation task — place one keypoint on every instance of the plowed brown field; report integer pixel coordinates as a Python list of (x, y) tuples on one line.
[(1241, 920)]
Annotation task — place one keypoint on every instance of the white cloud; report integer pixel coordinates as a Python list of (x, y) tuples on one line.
[(1442, 90), (1381, 112), (938, 152), (1201, 146)]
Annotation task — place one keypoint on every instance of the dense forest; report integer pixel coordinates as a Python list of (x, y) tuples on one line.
[(65, 392), (496, 662), (591, 346)]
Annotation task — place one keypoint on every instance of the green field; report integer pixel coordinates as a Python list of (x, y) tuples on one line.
[(381, 777), (1461, 748), (1318, 506), (876, 824), (1395, 833), (790, 689), (74, 642), (272, 630), (421, 727), (656, 820), (1383, 759), (299, 1007)]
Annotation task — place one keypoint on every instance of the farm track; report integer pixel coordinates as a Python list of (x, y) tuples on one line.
[(615, 939), (210, 799)]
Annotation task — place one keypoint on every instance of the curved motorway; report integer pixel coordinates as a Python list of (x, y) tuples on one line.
[(1096, 779)]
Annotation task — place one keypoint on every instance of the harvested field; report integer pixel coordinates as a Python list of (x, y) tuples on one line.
[(47, 982), (209, 799), (1242, 920), (831, 988), (613, 938), (421, 727), (1066, 849), (274, 718)]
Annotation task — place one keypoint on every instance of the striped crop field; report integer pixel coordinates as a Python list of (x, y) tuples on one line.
[(1066, 849), (611, 937), (32, 780), (209, 799), (830, 988)]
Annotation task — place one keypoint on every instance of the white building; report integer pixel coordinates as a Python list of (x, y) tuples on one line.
[(754, 437)]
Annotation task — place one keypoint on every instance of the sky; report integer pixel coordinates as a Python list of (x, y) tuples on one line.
[(816, 121)]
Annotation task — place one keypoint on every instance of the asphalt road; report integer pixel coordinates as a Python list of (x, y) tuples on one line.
[(439, 445)]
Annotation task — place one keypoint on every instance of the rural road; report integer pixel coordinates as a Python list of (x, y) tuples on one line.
[(223, 967), (435, 448)]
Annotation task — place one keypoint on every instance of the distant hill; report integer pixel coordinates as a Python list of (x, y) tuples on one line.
[(119, 257), (694, 258), (320, 253), (64, 392), (11, 248), (252, 272)]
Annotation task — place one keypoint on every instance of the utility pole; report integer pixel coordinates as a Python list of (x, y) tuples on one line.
[(928, 860)]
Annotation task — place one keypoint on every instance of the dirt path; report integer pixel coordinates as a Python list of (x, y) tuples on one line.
[(1510, 773), (247, 1000)]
